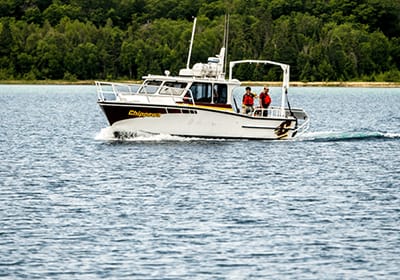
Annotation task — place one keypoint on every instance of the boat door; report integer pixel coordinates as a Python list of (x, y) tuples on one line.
[(209, 93)]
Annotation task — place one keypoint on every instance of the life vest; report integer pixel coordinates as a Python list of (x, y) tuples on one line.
[(248, 99), (266, 99)]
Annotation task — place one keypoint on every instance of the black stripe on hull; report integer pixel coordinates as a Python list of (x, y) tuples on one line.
[(115, 111), (119, 112)]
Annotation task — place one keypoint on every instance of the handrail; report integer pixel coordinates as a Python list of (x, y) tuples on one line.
[(286, 74), (191, 96), (271, 112), (104, 88), (303, 127), (276, 112), (146, 93), (101, 91)]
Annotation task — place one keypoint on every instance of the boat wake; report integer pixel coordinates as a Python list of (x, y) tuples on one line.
[(336, 136), (108, 134)]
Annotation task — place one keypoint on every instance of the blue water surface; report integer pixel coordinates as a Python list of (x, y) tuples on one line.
[(76, 205)]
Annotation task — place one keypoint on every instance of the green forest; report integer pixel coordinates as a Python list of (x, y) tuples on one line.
[(322, 40)]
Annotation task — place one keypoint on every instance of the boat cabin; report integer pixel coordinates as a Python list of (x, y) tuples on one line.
[(191, 90)]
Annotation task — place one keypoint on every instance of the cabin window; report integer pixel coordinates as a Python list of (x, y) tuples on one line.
[(150, 87), (173, 88), (220, 94), (202, 92)]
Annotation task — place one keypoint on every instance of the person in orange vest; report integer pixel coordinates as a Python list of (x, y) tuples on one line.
[(248, 101), (265, 100)]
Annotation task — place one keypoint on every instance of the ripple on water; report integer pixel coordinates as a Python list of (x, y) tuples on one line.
[(77, 204)]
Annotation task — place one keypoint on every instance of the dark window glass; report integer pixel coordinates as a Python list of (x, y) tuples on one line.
[(201, 92), (220, 94)]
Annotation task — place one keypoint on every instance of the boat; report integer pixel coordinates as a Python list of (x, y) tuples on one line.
[(198, 102)]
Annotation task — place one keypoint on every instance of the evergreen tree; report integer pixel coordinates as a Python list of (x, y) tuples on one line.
[(321, 40)]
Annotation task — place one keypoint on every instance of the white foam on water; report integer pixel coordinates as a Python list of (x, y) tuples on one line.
[(147, 137), (345, 135), (317, 135), (107, 134), (392, 135)]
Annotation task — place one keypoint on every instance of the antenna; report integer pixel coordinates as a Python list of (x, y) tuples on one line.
[(226, 39), (191, 43)]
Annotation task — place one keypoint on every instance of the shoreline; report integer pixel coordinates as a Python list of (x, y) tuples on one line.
[(244, 83), (330, 84)]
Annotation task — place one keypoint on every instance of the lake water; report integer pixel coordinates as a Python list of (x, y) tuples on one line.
[(75, 205)]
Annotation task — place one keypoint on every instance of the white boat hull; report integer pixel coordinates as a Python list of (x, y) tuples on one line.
[(192, 121)]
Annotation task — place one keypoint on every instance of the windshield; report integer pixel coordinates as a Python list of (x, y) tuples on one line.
[(173, 88), (150, 87)]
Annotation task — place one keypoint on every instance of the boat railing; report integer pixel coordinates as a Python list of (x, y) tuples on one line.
[(117, 91), (190, 98), (269, 112), (303, 126), (112, 91)]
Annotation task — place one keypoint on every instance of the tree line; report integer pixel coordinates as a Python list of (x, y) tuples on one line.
[(322, 40)]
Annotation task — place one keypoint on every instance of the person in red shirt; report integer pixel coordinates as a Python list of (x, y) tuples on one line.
[(248, 101), (265, 100)]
